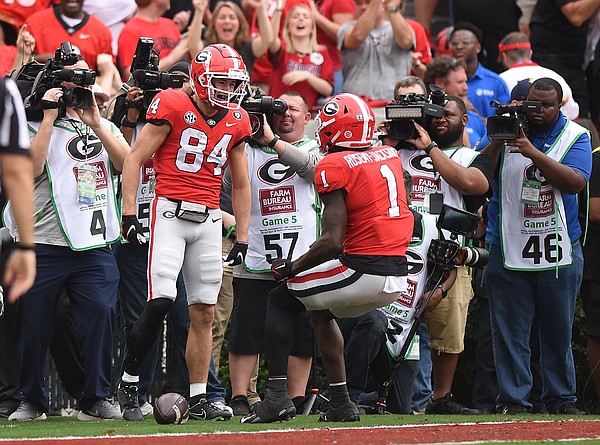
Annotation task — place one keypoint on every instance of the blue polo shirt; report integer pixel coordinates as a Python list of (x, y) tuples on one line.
[(475, 128), (485, 86), (579, 158)]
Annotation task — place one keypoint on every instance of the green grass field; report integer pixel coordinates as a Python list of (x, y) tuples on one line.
[(71, 427)]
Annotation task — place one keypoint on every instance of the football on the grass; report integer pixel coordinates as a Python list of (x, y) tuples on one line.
[(171, 408)]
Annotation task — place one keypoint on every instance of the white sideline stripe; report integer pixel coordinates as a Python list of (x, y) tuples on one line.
[(290, 430)]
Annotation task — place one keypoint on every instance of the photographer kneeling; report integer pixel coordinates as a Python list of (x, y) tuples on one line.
[(444, 171)]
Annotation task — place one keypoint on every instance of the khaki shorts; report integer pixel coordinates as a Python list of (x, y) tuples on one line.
[(446, 324)]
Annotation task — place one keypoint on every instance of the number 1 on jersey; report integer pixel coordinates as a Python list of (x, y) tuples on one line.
[(388, 175)]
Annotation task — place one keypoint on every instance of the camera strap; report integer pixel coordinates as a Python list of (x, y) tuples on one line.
[(48, 104)]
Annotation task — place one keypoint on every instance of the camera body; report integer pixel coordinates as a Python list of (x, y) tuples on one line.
[(509, 119), (409, 108), (446, 254), (34, 79), (146, 73), (257, 106)]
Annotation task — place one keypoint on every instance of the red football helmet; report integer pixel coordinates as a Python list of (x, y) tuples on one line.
[(219, 61), (345, 121)]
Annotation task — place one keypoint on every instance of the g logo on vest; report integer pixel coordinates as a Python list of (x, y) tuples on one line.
[(79, 150), (421, 163), (416, 263), (532, 173), (275, 172)]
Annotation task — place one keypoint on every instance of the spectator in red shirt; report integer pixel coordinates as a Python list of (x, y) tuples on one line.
[(330, 15), (299, 63), (68, 22)]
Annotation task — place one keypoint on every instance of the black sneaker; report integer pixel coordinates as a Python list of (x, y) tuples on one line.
[(202, 409), (564, 408), (511, 408), (348, 412), (240, 406), (272, 410), (447, 405), (127, 394)]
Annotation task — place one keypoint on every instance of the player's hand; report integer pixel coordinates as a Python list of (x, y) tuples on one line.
[(281, 269), (237, 254), (132, 230)]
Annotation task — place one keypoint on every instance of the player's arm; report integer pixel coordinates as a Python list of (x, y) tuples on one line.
[(241, 196), (148, 141), (333, 231)]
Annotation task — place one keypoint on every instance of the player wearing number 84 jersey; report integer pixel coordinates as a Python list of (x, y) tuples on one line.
[(191, 138)]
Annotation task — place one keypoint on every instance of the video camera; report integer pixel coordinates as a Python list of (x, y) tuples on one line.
[(257, 105), (34, 79), (509, 119), (146, 75), (409, 108)]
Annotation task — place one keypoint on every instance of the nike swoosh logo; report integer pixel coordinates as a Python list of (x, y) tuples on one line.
[(229, 124), (216, 219), (84, 36)]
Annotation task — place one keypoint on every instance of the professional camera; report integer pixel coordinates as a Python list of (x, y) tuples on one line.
[(449, 253), (409, 108), (509, 119), (146, 75), (34, 79), (257, 105)]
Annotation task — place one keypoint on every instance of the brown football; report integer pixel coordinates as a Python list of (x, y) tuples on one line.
[(171, 408)]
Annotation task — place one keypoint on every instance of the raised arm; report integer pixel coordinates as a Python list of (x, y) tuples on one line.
[(261, 44)]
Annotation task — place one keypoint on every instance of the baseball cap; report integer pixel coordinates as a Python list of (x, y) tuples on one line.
[(521, 89), (181, 67)]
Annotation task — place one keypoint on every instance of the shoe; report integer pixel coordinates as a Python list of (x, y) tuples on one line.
[(146, 409), (8, 407), (103, 409), (447, 405), (27, 411), (272, 410), (348, 412), (511, 408), (563, 408), (220, 404), (202, 409), (127, 394), (240, 406)]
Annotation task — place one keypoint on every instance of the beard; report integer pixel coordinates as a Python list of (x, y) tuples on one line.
[(447, 138)]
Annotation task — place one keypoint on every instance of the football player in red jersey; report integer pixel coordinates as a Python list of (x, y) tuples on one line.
[(191, 139), (357, 264)]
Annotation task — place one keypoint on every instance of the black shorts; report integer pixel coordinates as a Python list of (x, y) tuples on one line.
[(247, 330), (590, 297)]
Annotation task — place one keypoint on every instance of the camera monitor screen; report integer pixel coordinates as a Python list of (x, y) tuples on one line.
[(457, 221)]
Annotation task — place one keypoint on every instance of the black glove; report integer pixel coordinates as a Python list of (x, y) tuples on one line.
[(237, 254), (281, 269), (132, 230)]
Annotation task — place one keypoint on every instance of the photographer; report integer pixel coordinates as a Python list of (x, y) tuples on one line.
[(536, 261), (279, 228), (452, 174), (74, 160)]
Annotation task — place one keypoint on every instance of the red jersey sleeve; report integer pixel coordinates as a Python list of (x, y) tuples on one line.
[(330, 175)]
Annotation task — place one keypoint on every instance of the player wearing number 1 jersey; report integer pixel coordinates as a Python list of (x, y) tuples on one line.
[(191, 139), (356, 265)]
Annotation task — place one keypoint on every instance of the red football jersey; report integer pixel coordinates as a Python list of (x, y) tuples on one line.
[(189, 164), (16, 12), (379, 221)]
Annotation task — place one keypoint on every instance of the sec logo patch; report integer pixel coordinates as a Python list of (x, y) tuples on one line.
[(190, 118)]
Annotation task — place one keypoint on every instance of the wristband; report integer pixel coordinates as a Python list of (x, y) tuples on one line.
[(430, 147), (393, 9), (127, 123), (273, 141), (20, 246), (444, 291)]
